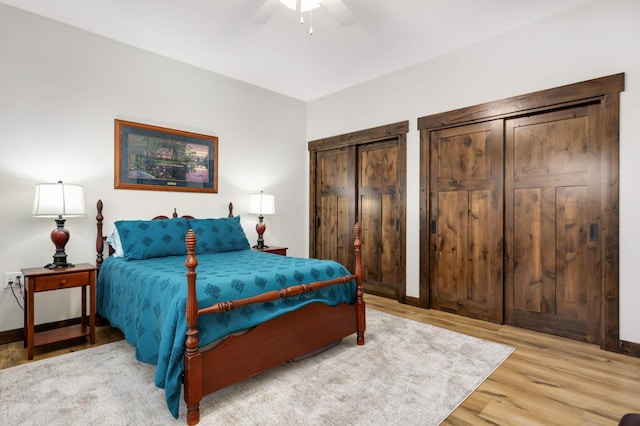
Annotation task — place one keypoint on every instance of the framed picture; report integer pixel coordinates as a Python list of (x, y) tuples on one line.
[(159, 159)]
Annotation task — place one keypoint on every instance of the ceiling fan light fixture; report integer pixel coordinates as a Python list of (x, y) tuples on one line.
[(336, 8), (305, 5)]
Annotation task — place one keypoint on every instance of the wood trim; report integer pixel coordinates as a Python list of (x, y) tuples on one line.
[(605, 92), (412, 301), (402, 177), (526, 103), (425, 205), (610, 110), (629, 348), (16, 335), (373, 134), (313, 158)]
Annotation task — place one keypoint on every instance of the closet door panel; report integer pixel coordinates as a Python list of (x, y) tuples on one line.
[(533, 262), (334, 220), (553, 202), (571, 259), (370, 209), (334, 205), (450, 249), (381, 209), (480, 268), (467, 219)]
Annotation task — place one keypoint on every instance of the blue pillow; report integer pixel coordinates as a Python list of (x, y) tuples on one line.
[(218, 235), (143, 239)]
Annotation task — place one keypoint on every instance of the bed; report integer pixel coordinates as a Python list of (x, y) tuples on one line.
[(209, 312)]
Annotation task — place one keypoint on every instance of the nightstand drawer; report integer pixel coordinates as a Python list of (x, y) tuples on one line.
[(54, 282)]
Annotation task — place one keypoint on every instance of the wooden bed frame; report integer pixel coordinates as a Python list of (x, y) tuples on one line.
[(288, 336)]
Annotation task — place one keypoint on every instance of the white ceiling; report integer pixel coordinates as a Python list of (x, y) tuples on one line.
[(280, 55)]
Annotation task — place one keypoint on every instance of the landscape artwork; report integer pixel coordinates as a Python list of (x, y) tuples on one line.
[(161, 159)]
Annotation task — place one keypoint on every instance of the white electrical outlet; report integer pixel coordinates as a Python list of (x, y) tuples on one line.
[(12, 278)]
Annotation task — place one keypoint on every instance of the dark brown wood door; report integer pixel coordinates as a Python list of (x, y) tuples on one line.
[(466, 271), (561, 204), (381, 183), (361, 177), (552, 205), (335, 205)]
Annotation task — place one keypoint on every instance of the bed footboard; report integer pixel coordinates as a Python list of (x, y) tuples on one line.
[(338, 322)]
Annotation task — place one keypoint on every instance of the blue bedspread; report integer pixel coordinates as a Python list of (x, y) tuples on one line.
[(147, 298)]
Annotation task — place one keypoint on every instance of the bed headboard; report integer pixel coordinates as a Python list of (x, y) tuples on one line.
[(101, 238)]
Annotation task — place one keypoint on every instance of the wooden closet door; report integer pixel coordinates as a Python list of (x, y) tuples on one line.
[(334, 206), (361, 176), (381, 183), (466, 171), (552, 205)]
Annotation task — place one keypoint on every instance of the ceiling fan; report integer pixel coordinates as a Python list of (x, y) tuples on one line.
[(336, 8)]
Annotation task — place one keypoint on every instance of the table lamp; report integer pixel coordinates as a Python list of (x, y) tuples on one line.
[(59, 201), (261, 204)]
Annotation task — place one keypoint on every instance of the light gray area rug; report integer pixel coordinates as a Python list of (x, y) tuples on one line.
[(406, 373)]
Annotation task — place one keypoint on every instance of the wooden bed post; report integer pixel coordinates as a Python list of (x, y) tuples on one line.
[(99, 238), (192, 356), (362, 324)]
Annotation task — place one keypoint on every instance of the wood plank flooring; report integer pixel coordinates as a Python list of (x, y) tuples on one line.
[(548, 380)]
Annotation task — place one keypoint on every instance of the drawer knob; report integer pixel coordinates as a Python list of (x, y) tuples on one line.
[(62, 283)]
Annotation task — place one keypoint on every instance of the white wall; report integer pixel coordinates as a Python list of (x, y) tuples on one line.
[(60, 90), (596, 40)]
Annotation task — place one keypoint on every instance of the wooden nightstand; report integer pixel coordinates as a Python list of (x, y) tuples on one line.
[(44, 279), (282, 251)]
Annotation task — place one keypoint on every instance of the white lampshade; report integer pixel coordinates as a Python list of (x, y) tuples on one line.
[(262, 204), (59, 200)]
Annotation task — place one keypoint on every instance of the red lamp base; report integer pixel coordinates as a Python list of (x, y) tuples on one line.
[(59, 237), (260, 228)]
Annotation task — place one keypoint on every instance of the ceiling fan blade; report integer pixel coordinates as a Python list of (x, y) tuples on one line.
[(340, 12), (265, 12)]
